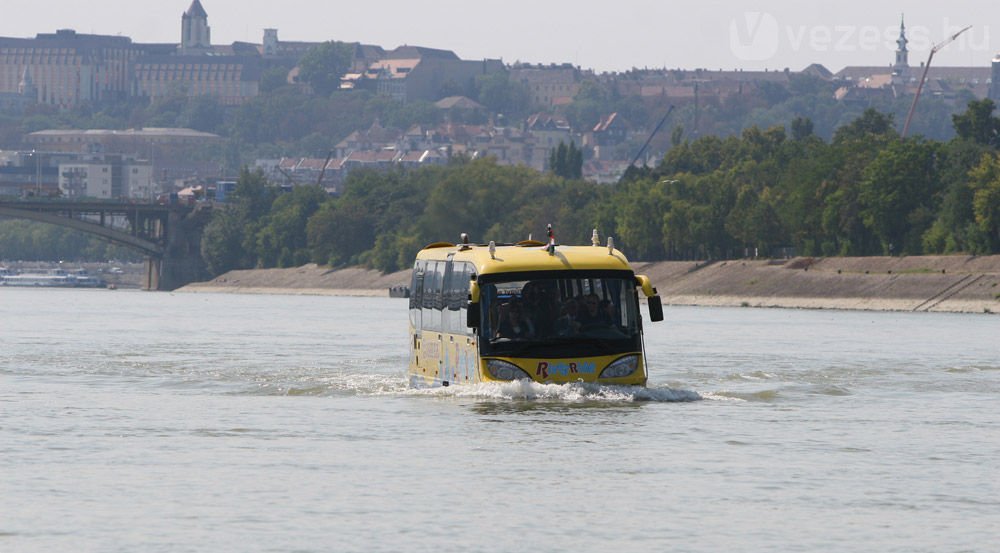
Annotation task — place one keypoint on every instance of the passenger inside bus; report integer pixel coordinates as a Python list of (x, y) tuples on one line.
[(608, 309), (567, 323), (592, 314), (515, 324), (540, 306)]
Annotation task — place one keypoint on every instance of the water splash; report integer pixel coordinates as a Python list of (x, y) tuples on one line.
[(764, 396), (342, 383), (524, 390)]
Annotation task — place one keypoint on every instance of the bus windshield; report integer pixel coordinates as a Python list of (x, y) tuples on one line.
[(560, 315)]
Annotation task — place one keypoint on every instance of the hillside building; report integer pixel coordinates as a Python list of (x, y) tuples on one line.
[(548, 86), (413, 73), (66, 68), (230, 74)]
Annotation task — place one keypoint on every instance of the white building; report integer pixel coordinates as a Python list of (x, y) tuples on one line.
[(85, 180), (106, 180), (138, 181)]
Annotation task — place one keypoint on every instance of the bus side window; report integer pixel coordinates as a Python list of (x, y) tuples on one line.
[(431, 297), (448, 316), (417, 285), (439, 288)]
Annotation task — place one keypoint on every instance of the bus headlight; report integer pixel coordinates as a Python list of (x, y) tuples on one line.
[(621, 367), (502, 370)]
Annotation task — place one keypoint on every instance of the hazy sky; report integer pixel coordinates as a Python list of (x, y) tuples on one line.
[(617, 35)]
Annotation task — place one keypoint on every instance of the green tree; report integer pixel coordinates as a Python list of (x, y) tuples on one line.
[(871, 123), (753, 221), (282, 238), (323, 66), (203, 113), (592, 101), (501, 95), (566, 161), (639, 218), (985, 180), (273, 78), (978, 124), (802, 128), (230, 238), (222, 243), (899, 195), (340, 232), (33, 241), (954, 228)]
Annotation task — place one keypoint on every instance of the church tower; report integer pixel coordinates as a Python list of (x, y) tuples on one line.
[(27, 86), (196, 36), (902, 64), (270, 42)]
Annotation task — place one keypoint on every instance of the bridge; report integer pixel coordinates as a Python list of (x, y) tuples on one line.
[(169, 236)]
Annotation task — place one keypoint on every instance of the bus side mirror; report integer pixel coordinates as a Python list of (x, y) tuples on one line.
[(472, 309), (655, 309), (472, 315)]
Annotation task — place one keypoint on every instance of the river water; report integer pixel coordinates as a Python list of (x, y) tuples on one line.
[(134, 421)]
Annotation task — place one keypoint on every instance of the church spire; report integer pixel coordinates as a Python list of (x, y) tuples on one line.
[(902, 54)]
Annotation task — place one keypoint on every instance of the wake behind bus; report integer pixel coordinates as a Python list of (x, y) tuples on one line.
[(547, 313)]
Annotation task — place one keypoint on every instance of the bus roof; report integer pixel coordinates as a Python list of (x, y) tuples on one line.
[(531, 256)]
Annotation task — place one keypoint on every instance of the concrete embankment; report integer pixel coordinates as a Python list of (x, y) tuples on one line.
[(961, 284), (308, 279)]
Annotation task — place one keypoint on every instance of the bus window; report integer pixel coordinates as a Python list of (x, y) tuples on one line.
[(433, 280), (416, 293), (556, 314)]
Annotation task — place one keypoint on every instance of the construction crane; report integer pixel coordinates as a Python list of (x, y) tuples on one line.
[(920, 87), (650, 139)]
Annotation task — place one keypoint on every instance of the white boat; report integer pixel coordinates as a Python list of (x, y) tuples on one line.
[(53, 279)]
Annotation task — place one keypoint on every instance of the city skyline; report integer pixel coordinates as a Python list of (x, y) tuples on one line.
[(720, 34)]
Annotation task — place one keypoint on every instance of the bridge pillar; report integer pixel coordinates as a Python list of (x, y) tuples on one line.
[(182, 263), (154, 266)]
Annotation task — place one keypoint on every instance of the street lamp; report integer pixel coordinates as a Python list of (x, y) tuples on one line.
[(38, 176), (38, 171)]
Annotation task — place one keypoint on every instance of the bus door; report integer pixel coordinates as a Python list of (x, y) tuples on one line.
[(416, 310), (448, 362)]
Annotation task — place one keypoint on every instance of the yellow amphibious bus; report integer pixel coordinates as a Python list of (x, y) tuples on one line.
[(543, 312)]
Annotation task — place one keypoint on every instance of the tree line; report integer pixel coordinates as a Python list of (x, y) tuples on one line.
[(31, 241), (866, 191)]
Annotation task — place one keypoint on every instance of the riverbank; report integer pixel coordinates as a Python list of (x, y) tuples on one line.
[(959, 284), (311, 279)]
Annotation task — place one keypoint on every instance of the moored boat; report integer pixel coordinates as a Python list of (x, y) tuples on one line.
[(57, 278)]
